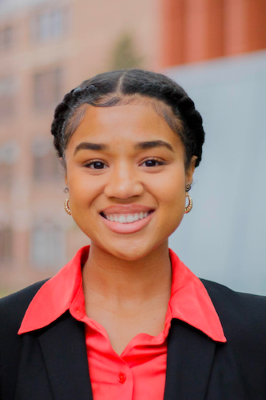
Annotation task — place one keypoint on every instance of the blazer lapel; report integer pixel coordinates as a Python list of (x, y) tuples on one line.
[(64, 352), (189, 361)]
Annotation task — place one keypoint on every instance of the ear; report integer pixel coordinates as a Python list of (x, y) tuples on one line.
[(190, 170)]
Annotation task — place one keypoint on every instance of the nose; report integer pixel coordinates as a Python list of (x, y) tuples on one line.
[(123, 183)]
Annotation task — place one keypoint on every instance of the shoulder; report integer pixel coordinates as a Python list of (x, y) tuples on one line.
[(228, 299), (13, 308), (238, 312)]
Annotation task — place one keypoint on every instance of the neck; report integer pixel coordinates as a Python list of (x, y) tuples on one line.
[(121, 281)]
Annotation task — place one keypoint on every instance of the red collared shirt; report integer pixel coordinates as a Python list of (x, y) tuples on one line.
[(139, 372)]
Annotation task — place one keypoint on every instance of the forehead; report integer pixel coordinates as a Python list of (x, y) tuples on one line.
[(127, 123)]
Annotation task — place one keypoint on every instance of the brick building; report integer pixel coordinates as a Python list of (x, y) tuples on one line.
[(46, 49), (196, 30)]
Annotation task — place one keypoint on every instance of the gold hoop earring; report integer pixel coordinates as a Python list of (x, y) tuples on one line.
[(188, 208), (66, 207)]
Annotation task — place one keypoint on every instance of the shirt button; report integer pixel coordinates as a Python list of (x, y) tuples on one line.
[(122, 377), (78, 310)]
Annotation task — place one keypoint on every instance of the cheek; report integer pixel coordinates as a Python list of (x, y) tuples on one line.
[(82, 189), (171, 196), (169, 188)]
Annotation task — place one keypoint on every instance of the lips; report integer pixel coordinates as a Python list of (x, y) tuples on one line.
[(126, 218)]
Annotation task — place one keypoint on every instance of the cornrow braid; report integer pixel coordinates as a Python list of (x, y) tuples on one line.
[(115, 87), (64, 111)]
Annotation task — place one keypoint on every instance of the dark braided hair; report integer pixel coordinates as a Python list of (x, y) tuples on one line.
[(115, 87)]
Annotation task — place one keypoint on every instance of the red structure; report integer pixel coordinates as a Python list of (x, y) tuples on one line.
[(204, 29)]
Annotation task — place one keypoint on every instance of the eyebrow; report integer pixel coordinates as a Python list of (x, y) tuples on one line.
[(152, 144), (90, 146), (139, 146)]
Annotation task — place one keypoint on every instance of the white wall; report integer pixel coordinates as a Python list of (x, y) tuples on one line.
[(223, 238)]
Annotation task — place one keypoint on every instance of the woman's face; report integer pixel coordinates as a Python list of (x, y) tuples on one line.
[(126, 179)]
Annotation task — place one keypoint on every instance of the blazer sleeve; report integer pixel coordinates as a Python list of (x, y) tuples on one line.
[(12, 310), (243, 317)]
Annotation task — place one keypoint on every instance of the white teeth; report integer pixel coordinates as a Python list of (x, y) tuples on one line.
[(130, 218), (126, 218), (122, 219)]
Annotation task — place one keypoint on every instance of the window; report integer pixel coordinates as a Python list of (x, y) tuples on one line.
[(9, 153), (8, 89), (49, 24), (6, 37), (46, 164), (48, 88), (47, 246), (6, 172), (6, 244)]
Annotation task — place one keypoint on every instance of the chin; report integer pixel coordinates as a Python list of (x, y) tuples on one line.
[(130, 251)]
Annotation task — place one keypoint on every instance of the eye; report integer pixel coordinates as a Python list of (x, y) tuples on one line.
[(96, 165), (152, 162)]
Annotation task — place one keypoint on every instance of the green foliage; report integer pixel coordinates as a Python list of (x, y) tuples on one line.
[(124, 55)]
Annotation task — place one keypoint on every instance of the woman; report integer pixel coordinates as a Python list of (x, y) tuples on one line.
[(126, 319)]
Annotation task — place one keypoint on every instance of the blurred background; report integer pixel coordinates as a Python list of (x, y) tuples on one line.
[(216, 49)]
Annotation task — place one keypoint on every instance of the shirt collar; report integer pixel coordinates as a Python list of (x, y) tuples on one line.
[(56, 295), (189, 300), (191, 303)]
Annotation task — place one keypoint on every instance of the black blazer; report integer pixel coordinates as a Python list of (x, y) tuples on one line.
[(51, 363)]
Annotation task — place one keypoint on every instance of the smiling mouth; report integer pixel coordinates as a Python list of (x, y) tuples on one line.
[(126, 218)]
